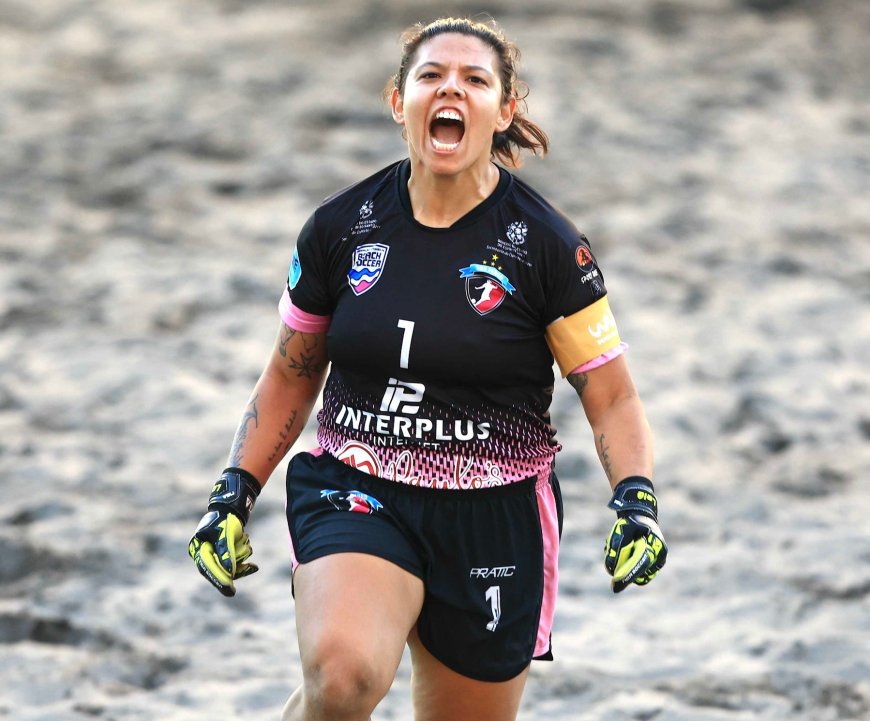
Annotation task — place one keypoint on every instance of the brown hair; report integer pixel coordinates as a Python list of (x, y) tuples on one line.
[(522, 132)]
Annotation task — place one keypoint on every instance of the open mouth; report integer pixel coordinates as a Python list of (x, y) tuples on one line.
[(446, 130)]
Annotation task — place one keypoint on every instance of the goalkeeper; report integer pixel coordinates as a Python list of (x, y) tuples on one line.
[(429, 515)]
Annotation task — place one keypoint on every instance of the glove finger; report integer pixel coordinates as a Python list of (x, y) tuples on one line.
[(613, 545), (209, 565), (243, 549), (646, 578), (634, 561), (246, 569), (231, 542)]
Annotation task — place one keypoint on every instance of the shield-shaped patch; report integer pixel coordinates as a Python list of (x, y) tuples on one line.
[(367, 267), (485, 287)]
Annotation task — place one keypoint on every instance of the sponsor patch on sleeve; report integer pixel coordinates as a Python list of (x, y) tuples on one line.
[(583, 335), (295, 272)]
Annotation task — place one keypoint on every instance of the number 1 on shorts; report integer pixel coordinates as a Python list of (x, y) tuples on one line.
[(493, 595)]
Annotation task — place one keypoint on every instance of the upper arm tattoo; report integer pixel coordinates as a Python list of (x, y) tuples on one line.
[(308, 363), (579, 382)]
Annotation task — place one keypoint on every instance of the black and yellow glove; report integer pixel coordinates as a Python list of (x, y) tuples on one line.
[(220, 548), (635, 550)]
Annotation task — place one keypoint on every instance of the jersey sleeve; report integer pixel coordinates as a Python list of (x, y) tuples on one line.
[(581, 330), (306, 304)]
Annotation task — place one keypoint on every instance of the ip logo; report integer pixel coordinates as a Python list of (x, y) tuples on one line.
[(402, 397)]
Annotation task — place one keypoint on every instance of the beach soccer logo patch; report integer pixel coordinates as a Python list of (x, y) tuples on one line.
[(485, 285), (368, 265)]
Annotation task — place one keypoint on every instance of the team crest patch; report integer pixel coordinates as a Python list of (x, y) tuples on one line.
[(367, 267), (485, 285)]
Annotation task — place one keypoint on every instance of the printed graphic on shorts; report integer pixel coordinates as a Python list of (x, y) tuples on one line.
[(295, 270), (368, 265), (352, 501), (360, 456), (486, 286)]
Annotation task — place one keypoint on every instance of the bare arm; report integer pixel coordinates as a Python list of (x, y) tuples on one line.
[(280, 402), (622, 435)]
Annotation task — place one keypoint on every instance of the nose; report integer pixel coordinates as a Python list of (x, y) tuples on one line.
[(450, 86)]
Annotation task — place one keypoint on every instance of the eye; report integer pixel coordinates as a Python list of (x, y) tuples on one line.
[(477, 80), (431, 75)]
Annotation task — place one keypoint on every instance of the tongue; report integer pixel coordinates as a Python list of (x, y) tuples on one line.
[(447, 132)]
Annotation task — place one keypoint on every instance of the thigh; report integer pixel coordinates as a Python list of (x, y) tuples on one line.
[(485, 582), (353, 605), (440, 694)]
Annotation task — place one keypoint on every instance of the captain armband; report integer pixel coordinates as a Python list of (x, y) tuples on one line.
[(582, 336)]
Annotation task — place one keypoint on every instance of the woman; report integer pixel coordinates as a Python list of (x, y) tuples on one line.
[(439, 291)]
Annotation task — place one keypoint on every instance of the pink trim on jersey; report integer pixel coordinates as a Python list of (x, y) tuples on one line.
[(299, 319), (550, 536), (601, 360)]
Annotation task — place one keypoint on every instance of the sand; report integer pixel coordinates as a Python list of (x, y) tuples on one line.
[(160, 157)]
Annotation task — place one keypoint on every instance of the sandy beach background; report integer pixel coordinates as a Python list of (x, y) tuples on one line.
[(159, 158)]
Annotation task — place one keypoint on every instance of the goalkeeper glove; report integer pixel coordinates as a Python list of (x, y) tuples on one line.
[(220, 548), (635, 550)]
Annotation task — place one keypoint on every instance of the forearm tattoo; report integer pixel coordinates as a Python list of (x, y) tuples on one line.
[(285, 439), (251, 414), (603, 449), (579, 382), (306, 364)]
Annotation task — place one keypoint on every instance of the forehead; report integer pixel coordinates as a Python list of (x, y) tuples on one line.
[(456, 49)]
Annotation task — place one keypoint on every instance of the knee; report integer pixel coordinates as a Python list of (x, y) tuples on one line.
[(341, 683)]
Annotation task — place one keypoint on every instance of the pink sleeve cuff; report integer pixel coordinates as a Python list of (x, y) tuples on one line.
[(299, 319), (602, 359)]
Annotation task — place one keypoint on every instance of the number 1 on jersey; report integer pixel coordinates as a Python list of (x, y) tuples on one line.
[(408, 327)]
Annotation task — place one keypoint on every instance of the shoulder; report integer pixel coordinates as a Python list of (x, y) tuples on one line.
[(546, 227), (358, 198)]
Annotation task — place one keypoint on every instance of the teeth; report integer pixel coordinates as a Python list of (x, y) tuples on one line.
[(443, 147), (449, 115)]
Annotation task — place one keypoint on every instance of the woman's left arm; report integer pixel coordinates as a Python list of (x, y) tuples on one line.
[(635, 549), (623, 438)]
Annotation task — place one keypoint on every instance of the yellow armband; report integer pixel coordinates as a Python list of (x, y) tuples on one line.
[(582, 336)]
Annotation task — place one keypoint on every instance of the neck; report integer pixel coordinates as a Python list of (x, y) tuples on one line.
[(438, 201)]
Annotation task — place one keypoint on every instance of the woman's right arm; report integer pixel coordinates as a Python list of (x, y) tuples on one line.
[(280, 402)]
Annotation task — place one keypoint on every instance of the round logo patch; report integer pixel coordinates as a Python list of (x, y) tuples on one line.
[(584, 258)]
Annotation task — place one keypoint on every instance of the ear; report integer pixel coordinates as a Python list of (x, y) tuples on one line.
[(506, 115), (398, 106)]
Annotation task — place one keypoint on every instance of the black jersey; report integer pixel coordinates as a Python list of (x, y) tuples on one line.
[(442, 340)]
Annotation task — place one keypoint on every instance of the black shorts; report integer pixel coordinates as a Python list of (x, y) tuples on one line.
[(487, 557)]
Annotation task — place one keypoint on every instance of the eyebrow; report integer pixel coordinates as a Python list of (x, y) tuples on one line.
[(467, 68)]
